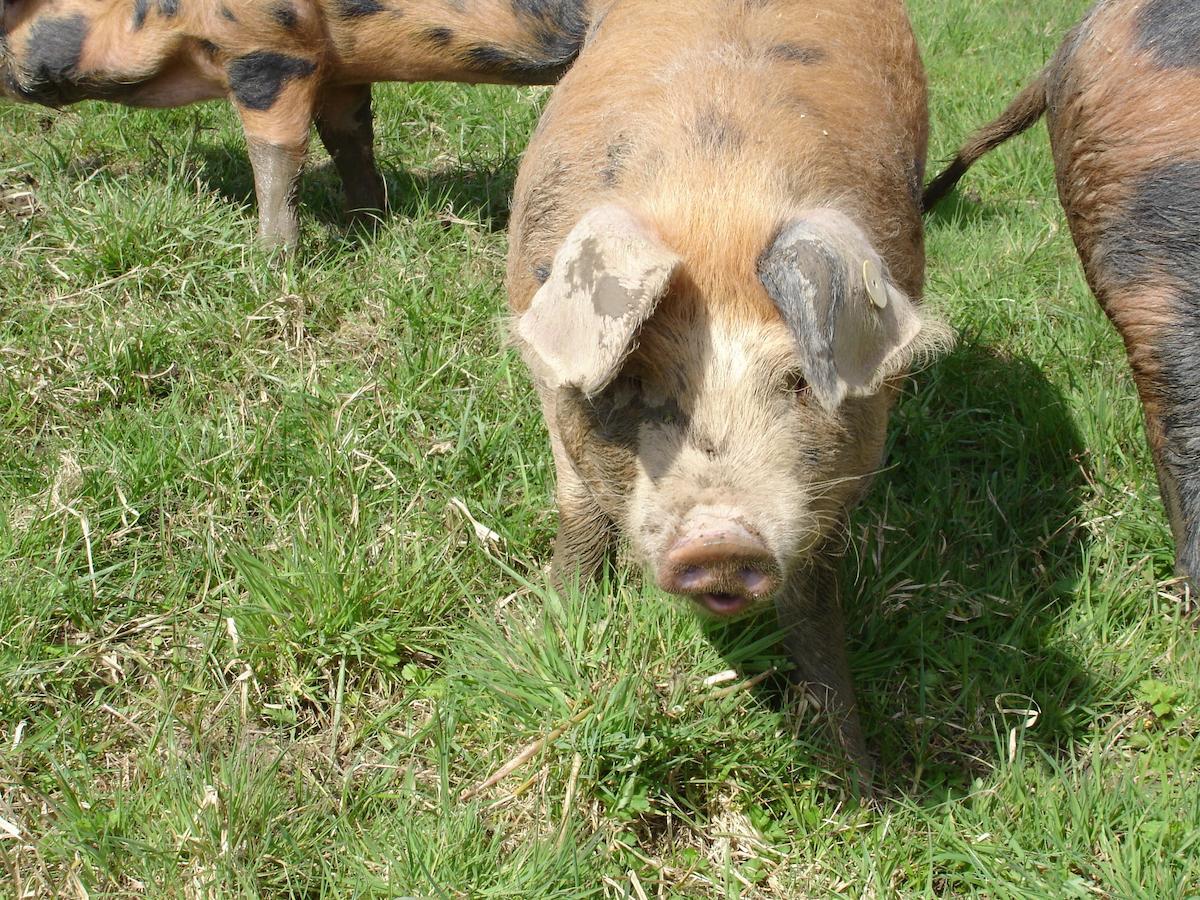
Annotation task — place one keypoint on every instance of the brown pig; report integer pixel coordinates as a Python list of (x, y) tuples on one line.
[(716, 254), (283, 64), (1122, 103)]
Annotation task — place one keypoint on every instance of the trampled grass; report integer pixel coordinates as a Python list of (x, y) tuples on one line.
[(252, 645)]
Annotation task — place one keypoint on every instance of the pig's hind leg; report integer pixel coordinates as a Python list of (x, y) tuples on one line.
[(1161, 330), (344, 122), (275, 95), (1143, 263), (810, 614)]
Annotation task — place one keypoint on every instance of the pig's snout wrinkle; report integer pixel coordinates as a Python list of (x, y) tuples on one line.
[(720, 564)]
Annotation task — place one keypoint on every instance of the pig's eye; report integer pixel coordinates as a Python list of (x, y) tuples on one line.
[(793, 382)]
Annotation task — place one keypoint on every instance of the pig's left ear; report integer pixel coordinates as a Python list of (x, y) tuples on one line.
[(852, 325), (606, 281)]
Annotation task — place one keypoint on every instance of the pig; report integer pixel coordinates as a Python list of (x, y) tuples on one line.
[(1121, 99), (716, 255), (283, 64)]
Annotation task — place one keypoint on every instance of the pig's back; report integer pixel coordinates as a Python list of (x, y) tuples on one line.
[(718, 119), (1124, 117)]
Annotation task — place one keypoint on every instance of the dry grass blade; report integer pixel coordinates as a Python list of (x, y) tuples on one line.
[(746, 685), (527, 753)]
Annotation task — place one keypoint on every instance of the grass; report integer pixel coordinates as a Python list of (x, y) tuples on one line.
[(251, 645)]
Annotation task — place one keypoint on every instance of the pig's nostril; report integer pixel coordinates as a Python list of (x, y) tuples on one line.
[(756, 581), (693, 578)]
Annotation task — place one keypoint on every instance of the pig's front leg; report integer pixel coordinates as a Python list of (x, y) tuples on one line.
[(583, 539), (275, 96), (276, 179), (584, 531), (344, 122), (810, 613)]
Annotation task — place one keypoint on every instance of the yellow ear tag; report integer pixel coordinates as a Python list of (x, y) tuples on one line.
[(874, 283)]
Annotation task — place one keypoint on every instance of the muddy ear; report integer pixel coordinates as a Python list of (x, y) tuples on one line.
[(606, 280), (852, 325)]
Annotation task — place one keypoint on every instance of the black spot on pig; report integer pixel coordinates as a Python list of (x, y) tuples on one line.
[(1160, 225), (559, 27), (258, 78), (1170, 29), (1157, 242), (439, 37), (568, 17), (615, 156), (52, 56), (505, 64), (227, 14), (353, 9), (625, 405), (141, 8), (541, 272), (716, 132), (797, 53), (209, 47), (284, 13)]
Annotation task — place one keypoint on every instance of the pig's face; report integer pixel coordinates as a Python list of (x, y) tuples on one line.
[(726, 446)]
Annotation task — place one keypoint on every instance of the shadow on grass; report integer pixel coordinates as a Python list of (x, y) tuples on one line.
[(963, 206), (963, 556), (472, 193)]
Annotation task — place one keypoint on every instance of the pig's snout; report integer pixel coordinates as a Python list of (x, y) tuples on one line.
[(719, 563)]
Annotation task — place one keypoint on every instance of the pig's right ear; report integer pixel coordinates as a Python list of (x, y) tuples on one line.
[(607, 279)]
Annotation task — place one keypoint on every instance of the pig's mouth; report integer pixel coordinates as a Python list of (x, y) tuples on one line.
[(722, 604)]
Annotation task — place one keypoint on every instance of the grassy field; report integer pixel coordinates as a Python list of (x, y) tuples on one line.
[(272, 544)]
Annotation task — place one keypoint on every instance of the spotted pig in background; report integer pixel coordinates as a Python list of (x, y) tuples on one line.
[(1122, 103), (284, 64)]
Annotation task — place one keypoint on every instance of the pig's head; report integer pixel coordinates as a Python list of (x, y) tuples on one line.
[(726, 437)]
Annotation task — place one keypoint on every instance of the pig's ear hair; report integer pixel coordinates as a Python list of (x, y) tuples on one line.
[(853, 326), (606, 281)]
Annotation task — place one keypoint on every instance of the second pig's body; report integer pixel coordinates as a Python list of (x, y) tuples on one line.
[(1121, 99), (283, 64)]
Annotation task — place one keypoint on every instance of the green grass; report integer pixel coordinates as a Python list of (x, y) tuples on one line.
[(249, 645)]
